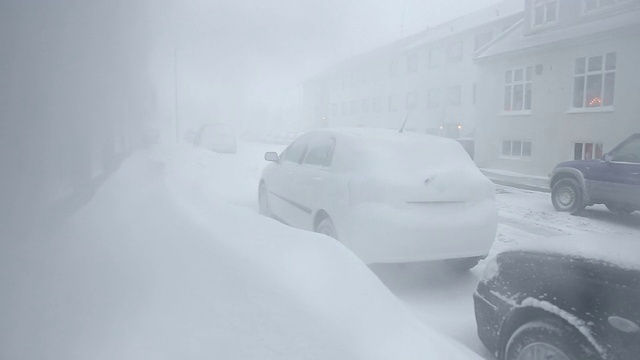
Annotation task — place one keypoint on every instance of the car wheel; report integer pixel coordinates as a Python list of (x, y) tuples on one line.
[(566, 195), (263, 201), (549, 338), (464, 264), (326, 227), (619, 209)]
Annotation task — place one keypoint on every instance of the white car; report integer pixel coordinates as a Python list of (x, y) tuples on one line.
[(387, 196)]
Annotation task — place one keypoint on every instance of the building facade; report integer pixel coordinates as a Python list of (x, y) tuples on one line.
[(562, 84), (427, 80)]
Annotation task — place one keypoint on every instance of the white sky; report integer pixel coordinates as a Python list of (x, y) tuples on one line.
[(255, 50)]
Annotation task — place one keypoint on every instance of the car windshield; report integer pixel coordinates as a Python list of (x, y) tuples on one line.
[(310, 180)]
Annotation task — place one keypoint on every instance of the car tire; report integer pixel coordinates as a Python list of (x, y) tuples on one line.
[(326, 227), (263, 201), (463, 264), (619, 209), (549, 338), (566, 195)]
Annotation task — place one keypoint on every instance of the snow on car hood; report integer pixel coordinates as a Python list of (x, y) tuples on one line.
[(161, 265), (622, 249)]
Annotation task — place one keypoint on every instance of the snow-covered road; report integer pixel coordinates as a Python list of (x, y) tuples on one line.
[(437, 297)]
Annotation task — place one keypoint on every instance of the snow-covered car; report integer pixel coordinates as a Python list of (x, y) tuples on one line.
[(387, 196), (217, 137), (571, 298)]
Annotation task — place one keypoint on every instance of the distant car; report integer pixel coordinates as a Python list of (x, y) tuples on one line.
[(217, 137), (537, 304), (613, 180), (387, 196)]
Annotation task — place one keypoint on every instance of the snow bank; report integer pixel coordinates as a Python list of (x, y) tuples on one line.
[(166, 263)]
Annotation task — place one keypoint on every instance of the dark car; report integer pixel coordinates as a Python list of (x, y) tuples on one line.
[(544, 305), (613, 180)]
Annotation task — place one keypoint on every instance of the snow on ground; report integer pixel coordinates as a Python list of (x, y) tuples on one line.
[(182, 267), (170, 260)]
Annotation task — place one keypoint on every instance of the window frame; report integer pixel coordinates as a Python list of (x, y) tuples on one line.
[(545, 23), (594, 147), (603, 72), (522, 148), (512, 83), (599, 8)]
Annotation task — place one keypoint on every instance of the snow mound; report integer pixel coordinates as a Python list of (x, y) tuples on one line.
[(161, 265)]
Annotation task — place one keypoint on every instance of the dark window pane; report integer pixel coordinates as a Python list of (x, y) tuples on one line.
[(518, 75), (529, 73), (595, 63), (581, 65), (551, 11), (507, 98), (610, 63), (516, 148), (295, 151), (526, 148), (578, 92), (538, 17), (577, 151), (518, 97), (508, 77), (506, 148), (588, 151), (599, 151), (594, 90), (609, 87), (319, 152), (527, 97)]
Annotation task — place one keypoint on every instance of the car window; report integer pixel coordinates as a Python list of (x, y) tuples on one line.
[(320, 152), (295, 151), (629, 152)]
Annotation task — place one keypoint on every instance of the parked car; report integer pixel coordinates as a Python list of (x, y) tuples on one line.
[(217, 137), (561, 304), (613, 180), (387, 196)]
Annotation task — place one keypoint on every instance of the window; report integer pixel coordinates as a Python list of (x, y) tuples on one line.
[(433, 98), (454, 95), (435, 58), (544, 12), (295, 151), (377, 104), (353, 107), (393, 103), (412, 100), (629, 152), (482, 40), (516, 148), (393, 68), (594, 81), (413, 63), (590, 6), (587, 151), (320, 152), (454, 52), (365, 106), (344, 108), (517, 89)]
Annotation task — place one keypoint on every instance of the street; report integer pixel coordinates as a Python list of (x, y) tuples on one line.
[(440, 299)]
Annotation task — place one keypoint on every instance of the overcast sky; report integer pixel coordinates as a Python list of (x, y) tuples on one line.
[(263, 48)]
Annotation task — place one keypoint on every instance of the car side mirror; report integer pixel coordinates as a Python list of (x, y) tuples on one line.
[(272, 156)]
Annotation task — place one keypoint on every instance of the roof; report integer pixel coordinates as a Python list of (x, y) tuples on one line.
[(516, 41), (500, 10)]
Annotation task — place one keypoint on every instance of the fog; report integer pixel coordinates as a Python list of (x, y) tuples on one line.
[(339, 179)]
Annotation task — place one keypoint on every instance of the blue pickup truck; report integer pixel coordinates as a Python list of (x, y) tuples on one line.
[(613, 180)]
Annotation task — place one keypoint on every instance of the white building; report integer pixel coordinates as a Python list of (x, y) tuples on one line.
[(562, 84), (428, 79)]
